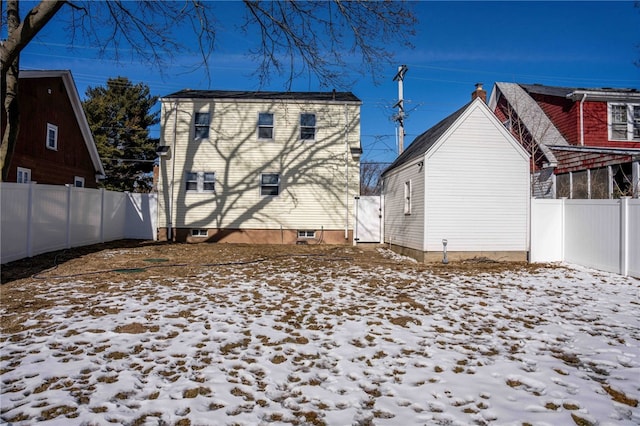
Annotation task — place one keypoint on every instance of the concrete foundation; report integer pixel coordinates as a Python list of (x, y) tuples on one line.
[(452, 256), (256, 236)]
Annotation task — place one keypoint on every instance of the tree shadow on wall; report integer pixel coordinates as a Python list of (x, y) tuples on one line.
[(313, 174)]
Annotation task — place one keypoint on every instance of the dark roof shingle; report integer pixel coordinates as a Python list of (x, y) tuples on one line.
[(249, 95)]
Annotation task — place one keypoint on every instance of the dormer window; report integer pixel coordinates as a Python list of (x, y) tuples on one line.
[(624, 122)]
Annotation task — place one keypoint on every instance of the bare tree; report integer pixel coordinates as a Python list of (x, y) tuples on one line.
[(314, 38), (371, 178)]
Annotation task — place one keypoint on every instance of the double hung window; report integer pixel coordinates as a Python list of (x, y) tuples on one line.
[(200, 181), (270, 184), (265, 125), (307, 127), (201, 121), (624, 122)]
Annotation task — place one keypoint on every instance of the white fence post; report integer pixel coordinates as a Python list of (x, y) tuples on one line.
[(30, 220), (68, 224), (102, 215), (624, 236)]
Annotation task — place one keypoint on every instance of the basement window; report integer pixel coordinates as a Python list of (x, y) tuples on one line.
[(199, 233), (306, 234)]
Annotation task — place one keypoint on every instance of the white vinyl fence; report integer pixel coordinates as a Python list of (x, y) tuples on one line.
[(601, 234), (37, 219)]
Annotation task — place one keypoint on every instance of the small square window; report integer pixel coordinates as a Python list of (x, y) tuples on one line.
[(199, 233), (24, 175), (201, 125), (52, 136), (78, 182), (270, 184), (307, 126), (265, 125)]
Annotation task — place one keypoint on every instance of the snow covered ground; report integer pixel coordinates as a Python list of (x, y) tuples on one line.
[(311, 340)]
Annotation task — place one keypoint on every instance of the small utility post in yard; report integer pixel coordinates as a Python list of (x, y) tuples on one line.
[(402, 70)]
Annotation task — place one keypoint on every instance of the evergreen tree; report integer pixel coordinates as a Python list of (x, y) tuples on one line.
[(120, 115)]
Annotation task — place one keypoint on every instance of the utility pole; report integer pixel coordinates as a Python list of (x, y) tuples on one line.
[(402, 70)]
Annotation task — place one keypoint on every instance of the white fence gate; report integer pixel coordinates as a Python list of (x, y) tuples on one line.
[(38, 219), (368, 219), (601, 234)]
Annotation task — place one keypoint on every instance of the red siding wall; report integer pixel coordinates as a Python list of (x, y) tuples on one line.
[(565, 114), (42, 101)]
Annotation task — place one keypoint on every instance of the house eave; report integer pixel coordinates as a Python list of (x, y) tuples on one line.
[(604, 96)]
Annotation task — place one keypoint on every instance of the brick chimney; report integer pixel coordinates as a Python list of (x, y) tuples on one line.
[(479, 93)]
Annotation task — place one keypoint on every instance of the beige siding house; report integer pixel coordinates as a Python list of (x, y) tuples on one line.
[(259, 167), (466, 181)]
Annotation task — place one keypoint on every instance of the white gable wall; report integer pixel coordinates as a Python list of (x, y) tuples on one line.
[(406, 230), (477, 187)]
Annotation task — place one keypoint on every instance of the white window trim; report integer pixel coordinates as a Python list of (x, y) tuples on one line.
[(78, 179), (277, 185), (199, 233), (306, 233), (630, 109), (52, 128), (315, 126), (272, 126), (21, 172), (200, 181), (407, 197)]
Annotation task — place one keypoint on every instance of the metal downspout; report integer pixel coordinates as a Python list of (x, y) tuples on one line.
[(346, 172), (584, 97), (173, 168)]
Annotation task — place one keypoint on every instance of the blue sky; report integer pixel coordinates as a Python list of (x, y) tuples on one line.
[(458, 44)]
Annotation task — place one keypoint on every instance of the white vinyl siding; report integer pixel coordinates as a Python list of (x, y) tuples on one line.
[(312, 178), (403, 229), (477, 187)]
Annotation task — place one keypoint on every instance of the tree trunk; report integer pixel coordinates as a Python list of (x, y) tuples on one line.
[(19, 34), (10, 96)]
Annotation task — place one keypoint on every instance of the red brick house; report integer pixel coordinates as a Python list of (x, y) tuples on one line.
[(584, 143), (55, 145)]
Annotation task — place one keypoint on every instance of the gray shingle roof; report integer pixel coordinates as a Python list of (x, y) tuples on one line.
[(425, 141), (565, 91), (250, 95)]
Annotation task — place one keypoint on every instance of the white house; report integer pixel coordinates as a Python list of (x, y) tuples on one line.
[(258, 167), (465, 182)]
